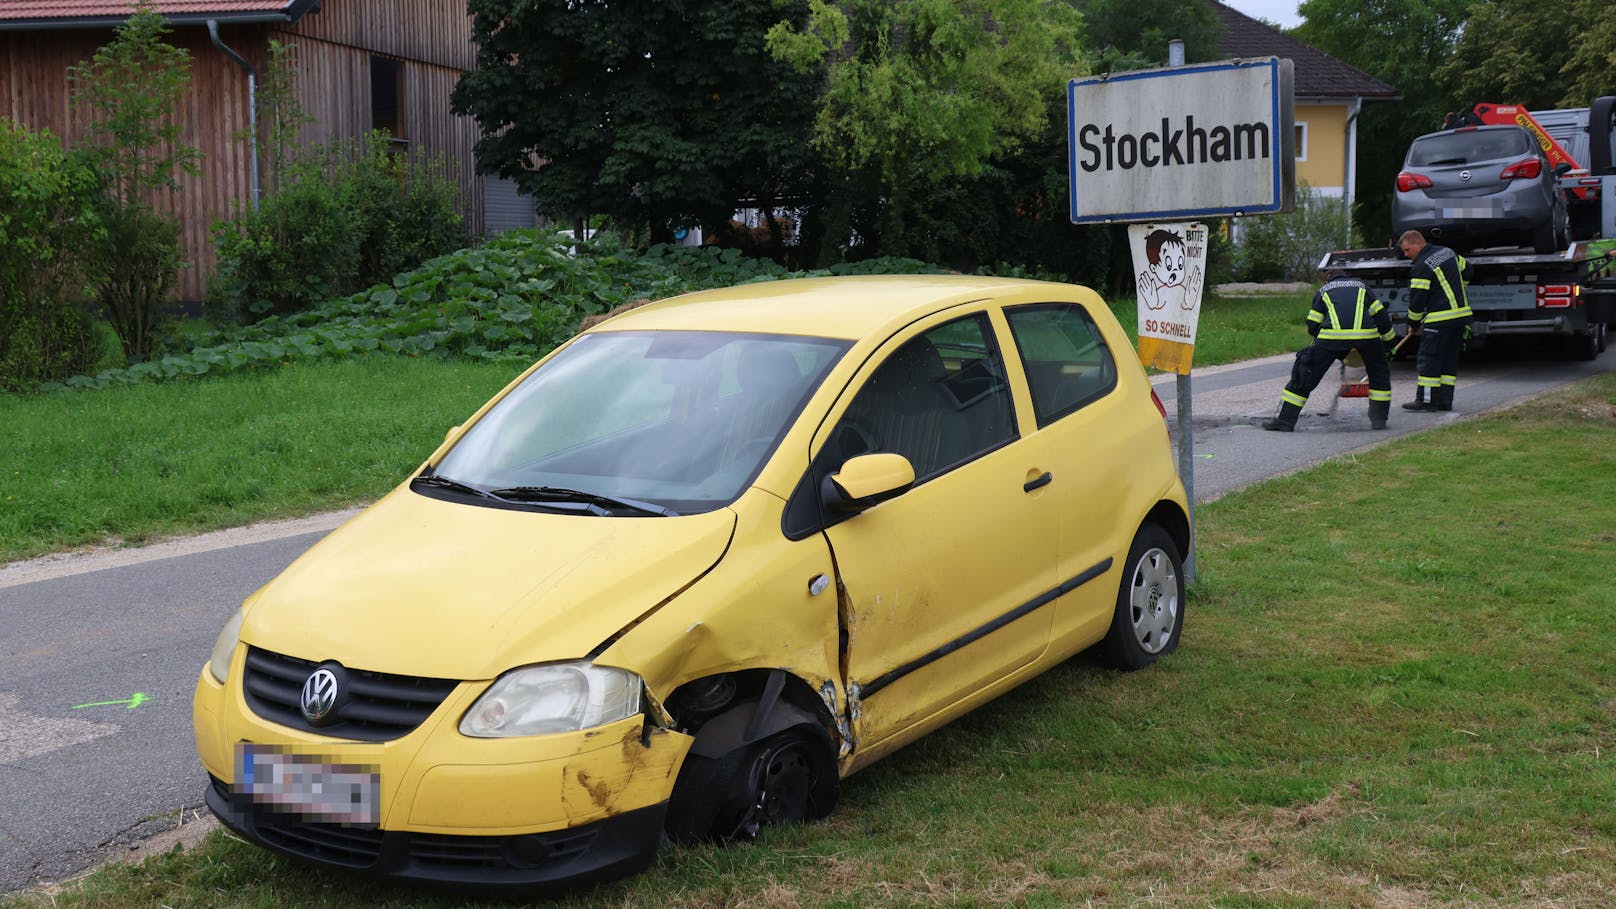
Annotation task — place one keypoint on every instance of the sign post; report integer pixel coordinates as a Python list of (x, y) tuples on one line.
[(1159, 148)]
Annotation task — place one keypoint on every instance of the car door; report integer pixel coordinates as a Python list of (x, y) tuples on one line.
[(940, 584), (1095, 434)]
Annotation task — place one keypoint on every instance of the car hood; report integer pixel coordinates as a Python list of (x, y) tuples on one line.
[(424, 587)]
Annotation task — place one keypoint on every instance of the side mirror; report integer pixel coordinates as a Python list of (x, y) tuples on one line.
[(867, 481)]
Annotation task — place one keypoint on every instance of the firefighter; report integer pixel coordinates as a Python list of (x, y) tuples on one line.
[(1345, 317), (1439, 312)]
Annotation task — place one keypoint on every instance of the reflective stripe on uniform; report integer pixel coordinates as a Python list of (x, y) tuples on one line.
[(1450, 380), (1427, 382), (1457, 309), (1419, 284), (1375, 395), (1357, 332), (1291, 397)]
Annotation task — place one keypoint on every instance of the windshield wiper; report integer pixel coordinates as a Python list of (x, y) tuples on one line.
[(541, 494), (441, 482)]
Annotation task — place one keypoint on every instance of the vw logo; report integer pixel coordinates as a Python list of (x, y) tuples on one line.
[(319, 695), (1464, 176)]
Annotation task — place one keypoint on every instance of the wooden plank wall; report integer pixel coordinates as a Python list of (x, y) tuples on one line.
[(331, 49), (35, 91), (334, 85), (429, 31)]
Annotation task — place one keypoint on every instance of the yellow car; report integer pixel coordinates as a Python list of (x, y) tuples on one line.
[(695, 567)]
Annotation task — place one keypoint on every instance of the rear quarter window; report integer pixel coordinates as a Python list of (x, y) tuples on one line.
[(1065, 357)]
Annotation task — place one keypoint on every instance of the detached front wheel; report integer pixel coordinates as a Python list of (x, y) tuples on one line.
[(1149, 618), (787, 778)]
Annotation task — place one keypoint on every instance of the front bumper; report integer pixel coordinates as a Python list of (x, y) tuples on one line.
[(519, 814), (610, 848)]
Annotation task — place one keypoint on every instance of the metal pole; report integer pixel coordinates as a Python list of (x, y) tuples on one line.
[(1186, 422)]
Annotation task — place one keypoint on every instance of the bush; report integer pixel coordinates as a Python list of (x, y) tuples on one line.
[(1290, 246), (347, 217), (47, 222)]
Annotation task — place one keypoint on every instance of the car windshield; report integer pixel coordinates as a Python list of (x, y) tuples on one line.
[(678, 419), (1469, 147)]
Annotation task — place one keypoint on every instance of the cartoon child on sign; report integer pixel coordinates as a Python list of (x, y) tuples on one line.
[(1164, 281)]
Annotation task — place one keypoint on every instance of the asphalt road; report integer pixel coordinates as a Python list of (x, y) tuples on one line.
[(99, 652)]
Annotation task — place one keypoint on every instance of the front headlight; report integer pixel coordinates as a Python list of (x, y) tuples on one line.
[(557, 697), (225, 647)]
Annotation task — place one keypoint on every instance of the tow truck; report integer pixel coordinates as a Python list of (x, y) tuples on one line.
[(1570, 293)]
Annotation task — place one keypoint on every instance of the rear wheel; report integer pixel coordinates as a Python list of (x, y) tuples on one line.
[(1584, 345), (1149, 617)]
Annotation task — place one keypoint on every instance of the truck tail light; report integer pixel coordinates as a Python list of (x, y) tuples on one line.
[(1557, 296), (1407, 181), (1530, 169)]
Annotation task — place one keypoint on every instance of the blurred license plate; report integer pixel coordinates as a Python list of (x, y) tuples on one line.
[(1473, 211), (308, 786)]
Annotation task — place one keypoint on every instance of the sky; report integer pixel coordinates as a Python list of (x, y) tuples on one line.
[(1281, 12)]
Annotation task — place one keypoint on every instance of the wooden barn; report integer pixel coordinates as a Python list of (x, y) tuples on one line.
[(361, 65)]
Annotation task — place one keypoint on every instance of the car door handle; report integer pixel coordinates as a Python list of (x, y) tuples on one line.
[(1039, 483)]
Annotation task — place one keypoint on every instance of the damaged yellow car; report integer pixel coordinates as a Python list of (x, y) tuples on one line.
[(694, 568)]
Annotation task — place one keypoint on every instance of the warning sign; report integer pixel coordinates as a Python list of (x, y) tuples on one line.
[(1169, 263)]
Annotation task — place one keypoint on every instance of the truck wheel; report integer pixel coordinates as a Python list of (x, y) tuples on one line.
[(1584, 345), (1149, 617), (1604, 329)]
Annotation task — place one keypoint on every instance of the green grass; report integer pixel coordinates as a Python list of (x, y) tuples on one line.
[(1395, 690), (132, 462), (126, 464), (1237, 328)]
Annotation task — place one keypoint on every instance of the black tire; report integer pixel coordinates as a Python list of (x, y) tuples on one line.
[(1584, 345), (1149, 618), (786, 778), (1603, 330), (1543, 238)]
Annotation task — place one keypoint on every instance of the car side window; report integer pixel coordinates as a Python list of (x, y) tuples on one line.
[(939, 400), (1066, 359)]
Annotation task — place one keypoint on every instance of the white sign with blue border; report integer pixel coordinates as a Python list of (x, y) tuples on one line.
[(1197, 141)]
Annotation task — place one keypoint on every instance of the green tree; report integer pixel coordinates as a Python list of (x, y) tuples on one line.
[(1133, 34), (132, 88), (918, 98), (655, 113), (1402, 43), (1541, 55)]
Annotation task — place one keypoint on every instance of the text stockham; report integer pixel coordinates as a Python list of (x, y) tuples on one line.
[(1191, 144)]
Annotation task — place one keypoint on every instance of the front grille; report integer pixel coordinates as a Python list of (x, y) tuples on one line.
[(533, 850), (377, 707), (350, 847)]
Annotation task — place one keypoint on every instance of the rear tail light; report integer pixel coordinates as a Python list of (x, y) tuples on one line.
[(1407, 181), (1530, 169), (1557, 296), (1160, 407)]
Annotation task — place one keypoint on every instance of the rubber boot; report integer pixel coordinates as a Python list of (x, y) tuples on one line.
[(1419, 404), (1442, 398), (1285, 420), (1378, 411)]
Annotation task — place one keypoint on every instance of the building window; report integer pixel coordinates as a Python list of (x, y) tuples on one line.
[(1301, 140), (387, 97)]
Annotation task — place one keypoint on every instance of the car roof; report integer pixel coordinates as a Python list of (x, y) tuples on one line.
[(834, 307)]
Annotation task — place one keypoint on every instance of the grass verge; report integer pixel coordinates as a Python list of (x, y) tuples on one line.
[(1395, 691), (125, 464)]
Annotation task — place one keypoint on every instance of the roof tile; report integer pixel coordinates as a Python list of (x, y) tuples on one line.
[(1318, 75), (60, 10)]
